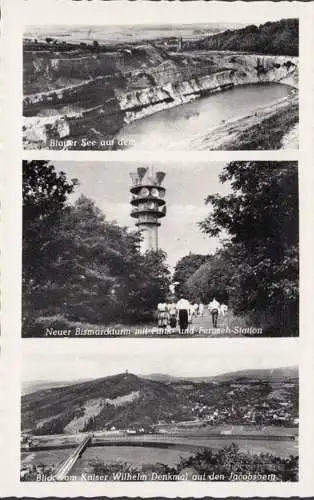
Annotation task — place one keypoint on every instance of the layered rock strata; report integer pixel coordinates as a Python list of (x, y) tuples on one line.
[(79, 100)]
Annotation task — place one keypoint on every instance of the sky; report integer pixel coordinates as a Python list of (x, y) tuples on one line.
[(70, 360), (186, 189), (161, 17), (187, 186), (131, 30)]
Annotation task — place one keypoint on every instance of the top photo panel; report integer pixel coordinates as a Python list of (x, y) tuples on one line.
[(203, 87)]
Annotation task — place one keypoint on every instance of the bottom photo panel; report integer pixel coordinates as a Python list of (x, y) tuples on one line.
[(137, 410)]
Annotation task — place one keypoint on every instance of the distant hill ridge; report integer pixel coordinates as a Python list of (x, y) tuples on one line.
[(265, 374)]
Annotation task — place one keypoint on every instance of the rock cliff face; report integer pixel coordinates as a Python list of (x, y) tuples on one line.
[(76, 95), (147, 101)]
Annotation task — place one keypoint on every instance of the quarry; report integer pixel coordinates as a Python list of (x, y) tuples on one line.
[(85, 96)]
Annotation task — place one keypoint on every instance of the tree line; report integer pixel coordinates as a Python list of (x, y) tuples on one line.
[(274, 38)]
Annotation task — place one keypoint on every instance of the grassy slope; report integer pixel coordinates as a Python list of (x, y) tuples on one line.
[(268, 134)]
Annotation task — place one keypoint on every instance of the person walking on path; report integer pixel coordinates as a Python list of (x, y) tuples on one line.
[(162, 315), (183, 307), (201, 310), (213, 308), (172, 309), (223, 309)]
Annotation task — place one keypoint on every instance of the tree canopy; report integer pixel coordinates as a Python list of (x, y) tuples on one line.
[(277, 38), (260, 217), (256, 269), (185, 267)]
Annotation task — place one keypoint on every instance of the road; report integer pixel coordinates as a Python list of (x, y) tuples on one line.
[(227, 326)]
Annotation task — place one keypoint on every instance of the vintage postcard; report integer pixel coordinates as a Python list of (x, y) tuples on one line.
[(157, 222)]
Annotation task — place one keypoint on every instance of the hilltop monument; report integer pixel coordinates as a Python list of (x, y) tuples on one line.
[(148, 204)]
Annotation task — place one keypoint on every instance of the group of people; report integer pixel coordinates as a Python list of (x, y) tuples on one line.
[(182, 313)]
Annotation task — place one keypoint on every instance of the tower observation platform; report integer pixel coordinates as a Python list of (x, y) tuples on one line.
[(148, 204)]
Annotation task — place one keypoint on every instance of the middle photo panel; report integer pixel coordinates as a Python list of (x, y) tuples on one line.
[(208, 249)]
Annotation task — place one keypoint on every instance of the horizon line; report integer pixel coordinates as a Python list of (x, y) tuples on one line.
[(139, 375)]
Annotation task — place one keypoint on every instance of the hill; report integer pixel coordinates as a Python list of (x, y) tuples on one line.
[(162, 377), (271, 375), (117, 400), (128, 401), (274, 38)]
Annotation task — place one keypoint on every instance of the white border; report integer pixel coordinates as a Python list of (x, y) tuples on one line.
[(19, 12)]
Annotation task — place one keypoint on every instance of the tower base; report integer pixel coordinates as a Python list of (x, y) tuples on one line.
[(150, 238)]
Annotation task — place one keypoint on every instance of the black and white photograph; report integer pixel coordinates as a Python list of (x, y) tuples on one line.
[(196, 411), (205, 86), (157, 217), (168, 249)]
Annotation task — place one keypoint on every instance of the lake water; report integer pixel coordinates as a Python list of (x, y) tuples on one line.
[(170, 456), (140, 455), (131, 454), (174, 128)]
